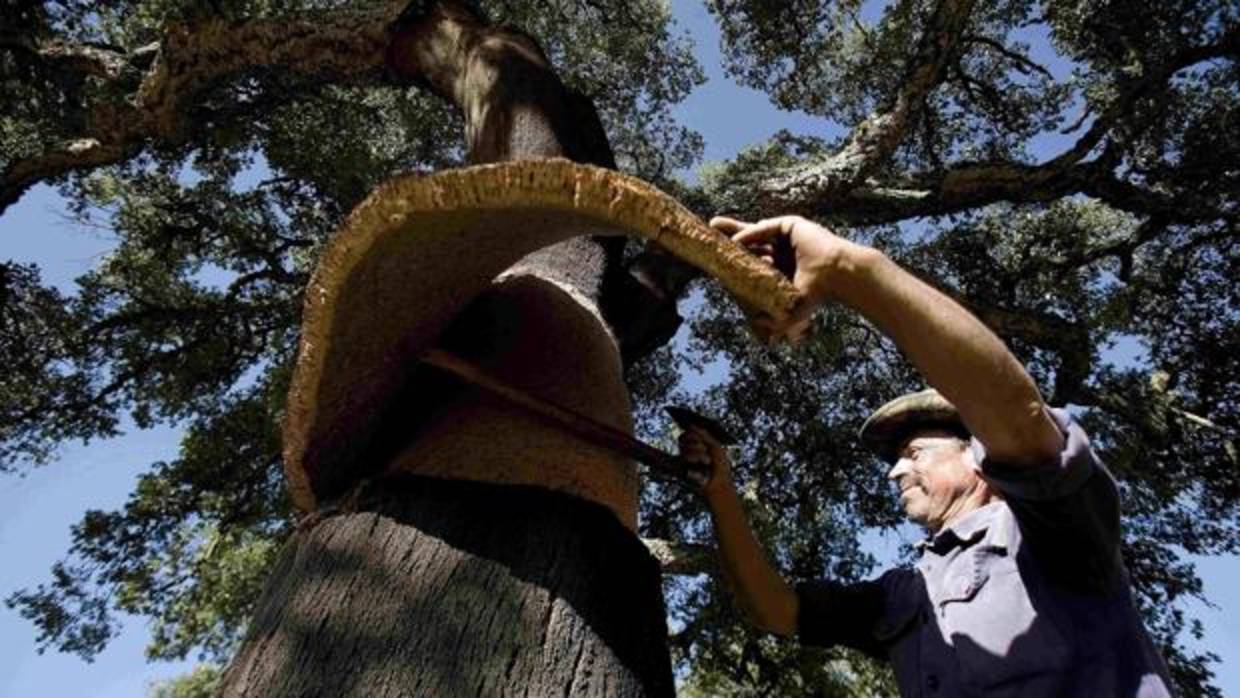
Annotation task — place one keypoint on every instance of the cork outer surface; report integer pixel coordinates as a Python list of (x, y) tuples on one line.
[(419, 249)]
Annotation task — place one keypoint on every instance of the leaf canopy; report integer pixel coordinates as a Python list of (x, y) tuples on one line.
[(1067, 169)]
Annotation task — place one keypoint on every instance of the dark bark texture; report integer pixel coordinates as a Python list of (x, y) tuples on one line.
[(440, 588)]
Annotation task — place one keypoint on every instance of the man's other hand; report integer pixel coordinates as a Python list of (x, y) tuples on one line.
[(812, 257)]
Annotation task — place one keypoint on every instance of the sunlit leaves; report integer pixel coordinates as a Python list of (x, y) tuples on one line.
[(190, 549), (202, 682)]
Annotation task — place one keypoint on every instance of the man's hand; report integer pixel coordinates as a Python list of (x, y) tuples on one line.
[(697, 446), (954, 351), (815, 259)]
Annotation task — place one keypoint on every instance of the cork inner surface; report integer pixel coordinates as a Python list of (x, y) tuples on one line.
[(544, 342), (414, 254)]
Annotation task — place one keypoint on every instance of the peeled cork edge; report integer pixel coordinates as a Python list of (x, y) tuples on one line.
[(605, 201)]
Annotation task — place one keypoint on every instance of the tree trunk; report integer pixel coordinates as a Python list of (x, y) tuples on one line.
[(425, 585), (444, 588)]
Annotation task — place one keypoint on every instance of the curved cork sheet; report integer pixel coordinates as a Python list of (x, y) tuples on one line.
[(411, 256)]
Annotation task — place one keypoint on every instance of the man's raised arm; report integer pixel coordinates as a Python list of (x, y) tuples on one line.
[(952, 349)]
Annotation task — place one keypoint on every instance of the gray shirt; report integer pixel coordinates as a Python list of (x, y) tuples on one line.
[(1027, 596)]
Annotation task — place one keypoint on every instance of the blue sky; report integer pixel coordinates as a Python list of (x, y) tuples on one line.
[(36, 510)]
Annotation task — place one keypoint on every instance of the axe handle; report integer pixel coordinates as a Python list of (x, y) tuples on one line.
[(578, 424)]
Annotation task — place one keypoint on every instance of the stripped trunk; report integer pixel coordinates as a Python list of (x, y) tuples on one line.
[(431, 586), (442, 588)]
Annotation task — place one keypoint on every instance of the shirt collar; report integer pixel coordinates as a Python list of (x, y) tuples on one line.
[(965, 531)]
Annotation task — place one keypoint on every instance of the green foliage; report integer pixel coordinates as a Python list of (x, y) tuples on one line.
[(38, 342), (202, 682), (190, 549), (627, 59), (821, 58), (735, 186), (192, 317)]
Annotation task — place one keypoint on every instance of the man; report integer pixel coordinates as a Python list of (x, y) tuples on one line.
[(1020, 590)]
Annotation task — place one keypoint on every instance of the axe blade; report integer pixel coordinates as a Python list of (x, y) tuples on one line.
[(686, 418)]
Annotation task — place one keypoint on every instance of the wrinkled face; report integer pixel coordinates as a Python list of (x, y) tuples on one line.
[(937, 479)]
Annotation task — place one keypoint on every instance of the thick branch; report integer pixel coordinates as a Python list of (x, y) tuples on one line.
[(969, 186), (83, 153), (818, 190), (931, 194), (105, 62), (1152, 418), (342, 46), (515, 107), (874, 140)]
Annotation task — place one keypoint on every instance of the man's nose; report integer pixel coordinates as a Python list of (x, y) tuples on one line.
[(899, 470)]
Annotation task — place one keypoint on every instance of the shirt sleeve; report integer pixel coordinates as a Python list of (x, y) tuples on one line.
[(1067, 509), (866, 616)]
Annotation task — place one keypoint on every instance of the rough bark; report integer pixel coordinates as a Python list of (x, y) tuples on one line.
[(440, 588), (398, 276)]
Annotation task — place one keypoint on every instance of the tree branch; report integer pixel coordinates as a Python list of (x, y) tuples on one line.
[(1024, 63), (987, 97), (818, 190), (1123, 248), (678, 558), (874, 140), (343, 46), (971, 185), (107, 62)]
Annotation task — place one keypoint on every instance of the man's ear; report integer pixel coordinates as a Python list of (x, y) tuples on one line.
[(966, 450), (991, 491)]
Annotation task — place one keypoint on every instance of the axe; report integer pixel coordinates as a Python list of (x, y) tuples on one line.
[(662, 463)]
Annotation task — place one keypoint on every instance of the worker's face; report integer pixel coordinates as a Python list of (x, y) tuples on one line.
[(937, 478)]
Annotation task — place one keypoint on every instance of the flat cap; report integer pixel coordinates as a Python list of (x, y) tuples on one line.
[(887, 428)]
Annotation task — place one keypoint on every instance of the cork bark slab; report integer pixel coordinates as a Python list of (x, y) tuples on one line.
[(412, 255)]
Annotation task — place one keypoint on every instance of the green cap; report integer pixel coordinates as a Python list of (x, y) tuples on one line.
[(887, 428)]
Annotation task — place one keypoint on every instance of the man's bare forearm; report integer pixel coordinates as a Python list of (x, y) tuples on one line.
[(957, 354), (762, 594)]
